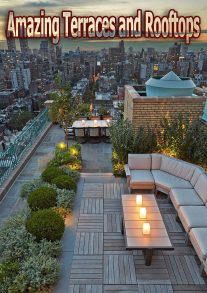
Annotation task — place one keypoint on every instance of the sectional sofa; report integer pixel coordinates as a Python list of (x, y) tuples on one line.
[(186, 186)]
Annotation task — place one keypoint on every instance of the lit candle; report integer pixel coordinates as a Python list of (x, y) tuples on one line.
[(108, 120), (83, 122), (143, 213), (139, 200), (95, 122), (146, 229)]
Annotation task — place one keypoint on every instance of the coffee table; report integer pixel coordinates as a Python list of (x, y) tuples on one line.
[(132, 226)]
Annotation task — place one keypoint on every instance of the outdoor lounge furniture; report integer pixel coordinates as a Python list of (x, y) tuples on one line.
[(149, 171), (132, 226), (186, 186)]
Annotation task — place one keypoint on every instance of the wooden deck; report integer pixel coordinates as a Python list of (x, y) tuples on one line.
[(102, 264)]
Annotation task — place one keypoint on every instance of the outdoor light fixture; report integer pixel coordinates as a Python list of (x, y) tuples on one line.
[(139, 199), (143, 213), (62, 146), (146, 229)]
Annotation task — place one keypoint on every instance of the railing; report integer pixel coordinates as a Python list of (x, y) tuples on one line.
[(205, 113), (12, 155)]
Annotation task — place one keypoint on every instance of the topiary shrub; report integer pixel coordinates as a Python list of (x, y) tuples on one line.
[(46, 224), (72, 173), (64, 182), (42, 198), (50, 173)]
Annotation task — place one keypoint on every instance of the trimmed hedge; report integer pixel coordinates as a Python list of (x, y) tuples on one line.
[(46, 224), (64, 182), (50, 173), (42, 198)]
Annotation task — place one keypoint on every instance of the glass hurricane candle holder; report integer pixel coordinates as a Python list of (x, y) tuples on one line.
[(146, 229), (139, 199), (143, 213)]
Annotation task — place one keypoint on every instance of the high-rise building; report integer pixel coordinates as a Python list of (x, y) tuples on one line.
[(11, 44), (20, 78), (44, 48), (24, 46)]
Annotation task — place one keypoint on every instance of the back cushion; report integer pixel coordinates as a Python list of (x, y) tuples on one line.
[(201, 187), (196, 174), (156, 161), (139, 161), (168, 164), (184, 170)]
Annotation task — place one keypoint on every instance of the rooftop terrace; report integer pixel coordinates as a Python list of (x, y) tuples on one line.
[(94, 256)]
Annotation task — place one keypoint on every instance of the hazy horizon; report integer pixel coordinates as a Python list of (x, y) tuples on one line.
[(95, 45)]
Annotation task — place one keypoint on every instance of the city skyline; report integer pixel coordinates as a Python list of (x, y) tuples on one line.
[(109, 7)]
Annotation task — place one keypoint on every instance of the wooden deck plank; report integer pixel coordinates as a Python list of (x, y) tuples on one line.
[(101, 262)]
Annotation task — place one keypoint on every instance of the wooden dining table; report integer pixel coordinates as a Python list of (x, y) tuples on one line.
[(91, 123)]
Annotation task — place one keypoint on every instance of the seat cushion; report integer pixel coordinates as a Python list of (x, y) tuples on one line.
[(184, 170), (198, 238), (184, 197), (168, 164), (166, 181), (198, 171), (139, 161), (177, 168), (201, 187), (141, 179), (156, 161), (193, 217)]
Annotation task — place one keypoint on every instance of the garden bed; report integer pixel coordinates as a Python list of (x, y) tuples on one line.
[(30, 242)]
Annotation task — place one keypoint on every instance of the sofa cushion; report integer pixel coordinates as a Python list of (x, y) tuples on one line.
[(193, 217), (184, 197), (139, 161), (201, 187), (167, 181), (198, 238), (168, 164), (198, 171), (141, 179), (184, 170), (156, 161)]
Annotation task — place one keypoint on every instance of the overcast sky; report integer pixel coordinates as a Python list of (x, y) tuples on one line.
[(102, 7)]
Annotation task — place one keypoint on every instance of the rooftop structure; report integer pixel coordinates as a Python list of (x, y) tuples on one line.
[(169, 85)]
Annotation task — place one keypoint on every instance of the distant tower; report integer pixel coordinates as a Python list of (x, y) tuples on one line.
[(11, 44), (24, 46), (122, 49)]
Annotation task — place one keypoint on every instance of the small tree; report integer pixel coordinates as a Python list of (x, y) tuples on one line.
[(65, 106)]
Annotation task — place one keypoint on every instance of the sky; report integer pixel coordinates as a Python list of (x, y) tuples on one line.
[(104, 7)]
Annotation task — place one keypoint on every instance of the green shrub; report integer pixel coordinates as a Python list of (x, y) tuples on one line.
[(30, 186), (118, 169), (15, 239), (50, 173), (40, 271), (75, 150), (42, 198), (64, 197), (64, 182), (8, 270), (72, 173), (45, 224), (126, 140), (60, 159)]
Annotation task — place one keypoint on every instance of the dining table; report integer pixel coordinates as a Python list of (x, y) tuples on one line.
[(91, 123)]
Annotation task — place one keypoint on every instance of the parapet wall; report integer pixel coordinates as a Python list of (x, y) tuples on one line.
[(150, 111)]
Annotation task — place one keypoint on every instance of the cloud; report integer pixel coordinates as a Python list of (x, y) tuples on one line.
[(42, 4)]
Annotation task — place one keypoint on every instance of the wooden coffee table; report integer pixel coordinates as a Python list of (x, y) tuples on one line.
[(132, 226)]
